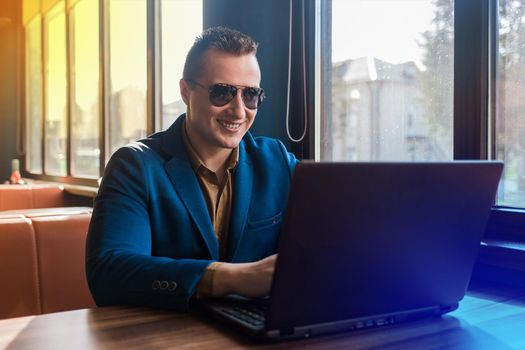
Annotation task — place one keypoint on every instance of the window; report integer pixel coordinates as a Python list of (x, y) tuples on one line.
[(33, 89), (84, 63), (127, 72), (55, 92), (510, 102), (468, 62), (390, 96), (177, 17), (89, 83)]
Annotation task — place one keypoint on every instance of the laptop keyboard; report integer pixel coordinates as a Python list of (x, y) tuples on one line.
[(253, 314)]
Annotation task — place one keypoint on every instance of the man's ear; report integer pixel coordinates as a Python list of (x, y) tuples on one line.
[(185, 90)]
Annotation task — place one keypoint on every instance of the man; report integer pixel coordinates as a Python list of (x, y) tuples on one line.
[(194, 211)]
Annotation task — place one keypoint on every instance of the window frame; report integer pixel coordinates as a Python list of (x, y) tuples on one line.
[(475, 75), (152, 91)]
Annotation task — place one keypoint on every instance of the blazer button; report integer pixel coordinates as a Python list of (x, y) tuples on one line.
[(155, 285), (172, 286), (164, 285)]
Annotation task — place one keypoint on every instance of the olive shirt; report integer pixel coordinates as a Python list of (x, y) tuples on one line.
[(218, 198)]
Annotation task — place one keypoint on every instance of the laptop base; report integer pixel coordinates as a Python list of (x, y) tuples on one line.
[(231, 310)]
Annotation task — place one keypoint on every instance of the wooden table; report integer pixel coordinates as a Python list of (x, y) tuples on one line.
[(490, 317)]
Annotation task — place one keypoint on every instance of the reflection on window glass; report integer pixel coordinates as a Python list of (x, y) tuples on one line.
[(510, 102), (391, 91), (34, 95), (84, 94), (55, 90), (181, 23), (128, 72)]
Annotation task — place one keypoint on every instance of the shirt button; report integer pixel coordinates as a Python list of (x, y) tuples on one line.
[(173, 286), (164, 285), (155, 285)]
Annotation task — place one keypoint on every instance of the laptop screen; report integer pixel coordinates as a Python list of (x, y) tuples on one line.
[(362, 239)]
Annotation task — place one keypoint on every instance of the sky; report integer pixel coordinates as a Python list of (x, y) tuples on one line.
[(385, 29)]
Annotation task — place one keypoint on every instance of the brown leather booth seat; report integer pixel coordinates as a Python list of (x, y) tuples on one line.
[(31, 196), (18, 268), (42, 262)]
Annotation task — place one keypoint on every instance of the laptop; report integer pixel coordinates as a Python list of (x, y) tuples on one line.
[(369, 244)]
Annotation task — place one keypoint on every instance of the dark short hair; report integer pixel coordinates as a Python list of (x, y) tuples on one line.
[(220, 38)]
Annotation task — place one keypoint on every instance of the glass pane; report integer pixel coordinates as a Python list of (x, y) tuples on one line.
[(55, 90), (128, 72), (84, 93), (510, 102), (181, 23), (390, 93), (34, 95)]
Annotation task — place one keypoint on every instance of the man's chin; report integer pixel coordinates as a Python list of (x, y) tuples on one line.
[(230, 144)]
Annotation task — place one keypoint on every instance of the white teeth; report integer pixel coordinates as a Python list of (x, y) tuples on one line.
[(231, 126)]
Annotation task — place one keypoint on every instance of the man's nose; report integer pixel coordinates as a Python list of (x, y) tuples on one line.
[(237, 105)]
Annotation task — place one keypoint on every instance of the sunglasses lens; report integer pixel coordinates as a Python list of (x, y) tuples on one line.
[(251, 97), (221, 94)]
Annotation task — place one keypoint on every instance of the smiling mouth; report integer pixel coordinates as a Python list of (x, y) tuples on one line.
[(229, 125)]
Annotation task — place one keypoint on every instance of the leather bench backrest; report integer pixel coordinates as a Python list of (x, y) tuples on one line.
[(15, 197), (19, 291), (31, 196), (42, 261), (61, 242), (48, 196)]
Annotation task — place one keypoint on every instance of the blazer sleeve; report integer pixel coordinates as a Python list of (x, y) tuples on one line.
[(119, 265)]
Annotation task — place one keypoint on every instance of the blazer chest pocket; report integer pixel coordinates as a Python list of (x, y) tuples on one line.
[(265, 223)]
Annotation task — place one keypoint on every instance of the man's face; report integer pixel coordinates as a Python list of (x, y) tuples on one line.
[(213, 128)]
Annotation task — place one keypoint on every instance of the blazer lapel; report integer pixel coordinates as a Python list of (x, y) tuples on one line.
[(242, 192), (186, 184)]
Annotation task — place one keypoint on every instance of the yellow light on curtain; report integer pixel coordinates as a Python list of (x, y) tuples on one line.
[(29, 9)]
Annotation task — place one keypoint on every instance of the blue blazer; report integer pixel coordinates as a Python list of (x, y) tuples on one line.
[(151, 238)]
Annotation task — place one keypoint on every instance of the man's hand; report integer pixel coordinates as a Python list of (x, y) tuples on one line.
[(251, 280)]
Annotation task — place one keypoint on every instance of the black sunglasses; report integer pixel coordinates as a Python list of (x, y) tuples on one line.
[(222, 94)]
